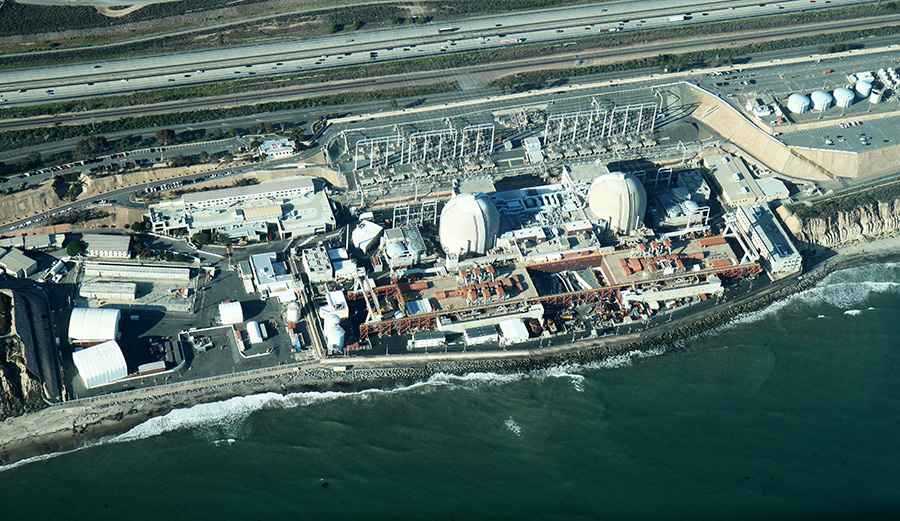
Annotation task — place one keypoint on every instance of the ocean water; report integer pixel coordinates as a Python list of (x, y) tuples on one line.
[(792, 412)]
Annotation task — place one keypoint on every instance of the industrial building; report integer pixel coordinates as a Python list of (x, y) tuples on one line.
[(769, 238), (118, 291), (317, 265), (36, 242), (101, 364), (136, 271), (88, 326), (478, 335), (107, 245), (272, 277), (737, 184), (15, 263), (428, 339), (513, 331), (283, 208), (274, 148)]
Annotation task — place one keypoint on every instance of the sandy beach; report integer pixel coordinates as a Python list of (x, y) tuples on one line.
[(82, 422)]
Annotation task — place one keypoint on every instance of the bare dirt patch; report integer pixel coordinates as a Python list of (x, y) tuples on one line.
[(117, 13)]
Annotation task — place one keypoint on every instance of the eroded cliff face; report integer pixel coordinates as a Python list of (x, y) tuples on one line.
[(861, 223), (19, 391)]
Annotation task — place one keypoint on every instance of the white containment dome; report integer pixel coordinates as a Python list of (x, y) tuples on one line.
[(330, 320), (469, 223), (843, 98), (798, 103), (620, 200), (92, 325), (293, 312), (395, 250), (821, 100), (864, 88)]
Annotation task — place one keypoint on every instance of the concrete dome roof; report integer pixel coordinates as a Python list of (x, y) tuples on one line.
[(620, 200), (798, 103), (843, 95), (469, 223), (821, 100)]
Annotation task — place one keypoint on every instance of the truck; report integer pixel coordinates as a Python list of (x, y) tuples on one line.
[(677, 18)]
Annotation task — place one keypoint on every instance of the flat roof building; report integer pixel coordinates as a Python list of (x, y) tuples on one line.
[(317, 265), (107, 245), (136, 271), (272, 277), (284, 208), (123, 291), (15, 263), (734, 179), (769, 238), (481, 335), (273, 148)]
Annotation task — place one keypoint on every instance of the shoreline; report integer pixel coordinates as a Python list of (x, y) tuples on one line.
[(70, 426)]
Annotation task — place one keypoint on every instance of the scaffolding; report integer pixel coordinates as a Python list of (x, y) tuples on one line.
[(473, 140), (378, 150), (415, 214), (632, 119), (575, 127), (431, 145)]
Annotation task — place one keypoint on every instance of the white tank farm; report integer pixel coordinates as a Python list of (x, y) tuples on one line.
[(821, 100), (843, 98), (620, 200), (863, 88), (469, 224), (798, 103)]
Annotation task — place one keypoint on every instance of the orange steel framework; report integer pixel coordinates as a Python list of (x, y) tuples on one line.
[(429, 320)]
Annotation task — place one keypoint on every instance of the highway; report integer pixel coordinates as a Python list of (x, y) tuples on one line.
[(74, 81), (461, 74)]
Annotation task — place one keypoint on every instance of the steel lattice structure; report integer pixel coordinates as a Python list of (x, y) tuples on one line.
[(632, 119)]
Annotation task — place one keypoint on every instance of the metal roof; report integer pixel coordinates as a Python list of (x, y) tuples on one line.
[(105, 242), (100, 364), (94, 324)]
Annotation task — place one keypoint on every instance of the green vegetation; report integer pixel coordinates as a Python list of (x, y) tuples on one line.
[(139, 227), (846, 203), (68, 186), (202, 238), (78, 216), (28, 137), (75, 248)]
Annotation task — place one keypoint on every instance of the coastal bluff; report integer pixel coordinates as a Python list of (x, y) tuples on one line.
[(20, 391), (835, 223)]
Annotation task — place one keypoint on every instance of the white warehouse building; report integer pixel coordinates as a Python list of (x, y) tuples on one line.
[(93, 325), (106, 245), (126, 291), (101, 364)]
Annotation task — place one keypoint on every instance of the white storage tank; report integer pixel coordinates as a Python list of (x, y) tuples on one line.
[(331, 320), (253, 332), (864, 88), (334, 338), (293, 312), (798, 103), (821, 100), (843, 98), (875, 96)]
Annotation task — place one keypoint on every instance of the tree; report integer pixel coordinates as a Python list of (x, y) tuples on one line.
[(75, 248), (333, 28), (91, 145), (139, 227), (32, 159), (165, 136), (202, 238), (358, 24)]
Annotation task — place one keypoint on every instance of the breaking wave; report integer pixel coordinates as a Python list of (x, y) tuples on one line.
[(844, 289), (513, 427)]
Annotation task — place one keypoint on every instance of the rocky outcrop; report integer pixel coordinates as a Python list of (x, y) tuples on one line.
[(837, 228), (20, 392)]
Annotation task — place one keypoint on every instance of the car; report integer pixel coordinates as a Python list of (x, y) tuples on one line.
[(124, 80), (171, 79), (349, 40), (22, 90), (187, 75), (97, 66)]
